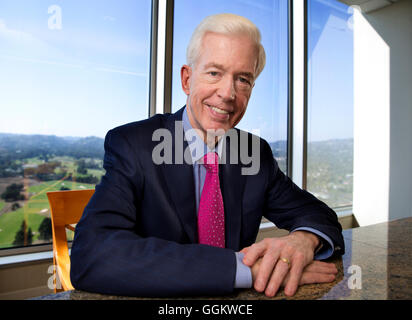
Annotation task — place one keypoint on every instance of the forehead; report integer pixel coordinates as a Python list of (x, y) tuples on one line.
[(237, 52)]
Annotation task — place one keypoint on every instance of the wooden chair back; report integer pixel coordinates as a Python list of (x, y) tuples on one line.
[(66, 210)]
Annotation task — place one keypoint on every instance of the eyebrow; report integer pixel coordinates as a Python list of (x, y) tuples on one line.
[(247, 74), (219, 66), (214, 65)]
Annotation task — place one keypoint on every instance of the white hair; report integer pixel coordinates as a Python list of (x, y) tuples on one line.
[(228, 24)]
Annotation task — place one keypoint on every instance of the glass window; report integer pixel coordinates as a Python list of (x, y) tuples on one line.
[(70, 72), (330, 102), (267, 110)]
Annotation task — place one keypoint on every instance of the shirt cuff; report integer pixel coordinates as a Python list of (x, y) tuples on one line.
[(328, 248), (243, 277)]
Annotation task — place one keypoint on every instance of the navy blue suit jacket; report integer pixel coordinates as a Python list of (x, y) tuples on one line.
[(138, 234)]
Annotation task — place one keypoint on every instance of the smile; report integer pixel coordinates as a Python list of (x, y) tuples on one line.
[(221, 111)]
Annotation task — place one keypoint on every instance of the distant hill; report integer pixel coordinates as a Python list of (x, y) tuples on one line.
[(279, 148), (20, 146), (330, 171)]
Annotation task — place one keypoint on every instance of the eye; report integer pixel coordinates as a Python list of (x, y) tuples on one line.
[(244, 80), (213, 73)]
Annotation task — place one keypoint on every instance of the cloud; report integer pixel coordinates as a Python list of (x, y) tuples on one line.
[(109, 18), (137, 74), (15, 35), (21, 42), (50, 62), (24, 46)]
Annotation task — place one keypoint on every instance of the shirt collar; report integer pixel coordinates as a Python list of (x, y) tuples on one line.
[(198, 148)]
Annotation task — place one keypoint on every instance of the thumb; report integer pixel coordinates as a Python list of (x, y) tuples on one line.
[(244, 250)]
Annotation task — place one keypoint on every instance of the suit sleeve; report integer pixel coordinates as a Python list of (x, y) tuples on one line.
[(290, 207), (109, 256)]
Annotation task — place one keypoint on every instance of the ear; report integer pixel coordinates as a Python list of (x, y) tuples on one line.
[(185, 76)]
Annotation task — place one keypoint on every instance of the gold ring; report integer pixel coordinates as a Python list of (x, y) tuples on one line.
[(285, 260)]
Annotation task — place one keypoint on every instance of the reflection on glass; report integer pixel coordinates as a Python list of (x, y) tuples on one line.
[(70, 71), (330, 102), (267, 110)]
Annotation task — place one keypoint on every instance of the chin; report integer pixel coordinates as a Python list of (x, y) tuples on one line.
[(219, 127)]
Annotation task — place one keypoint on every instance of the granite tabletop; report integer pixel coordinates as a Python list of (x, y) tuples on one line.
[(376, 266)]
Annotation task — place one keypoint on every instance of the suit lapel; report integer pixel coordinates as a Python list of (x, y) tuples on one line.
[(232, 185), (179, 179)]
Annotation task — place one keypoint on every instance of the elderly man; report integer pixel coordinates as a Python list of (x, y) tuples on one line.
[(170, 228)]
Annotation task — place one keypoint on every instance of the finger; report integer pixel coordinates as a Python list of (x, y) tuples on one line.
[(294, 276), (280, 272), (244, 250), (321, 267), (322, 263), (254, 252), (265, 271), (313, 277)]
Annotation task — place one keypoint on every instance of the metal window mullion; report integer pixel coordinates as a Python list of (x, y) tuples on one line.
[(168, 69), (161, 56), (153, 59), (298, 98)]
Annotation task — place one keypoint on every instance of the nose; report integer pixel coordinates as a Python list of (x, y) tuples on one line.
[(226, 90)]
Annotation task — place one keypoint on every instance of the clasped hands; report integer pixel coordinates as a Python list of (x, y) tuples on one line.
[(268, 260)]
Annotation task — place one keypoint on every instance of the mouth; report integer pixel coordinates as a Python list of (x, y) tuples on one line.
[(221, 111), (218, 113)]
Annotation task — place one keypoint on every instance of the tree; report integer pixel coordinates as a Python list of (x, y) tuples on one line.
[(88, 179), (12, 193), (45, 229), (19, 239)]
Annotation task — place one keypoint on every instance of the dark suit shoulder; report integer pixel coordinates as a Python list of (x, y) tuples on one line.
[(148, 125)]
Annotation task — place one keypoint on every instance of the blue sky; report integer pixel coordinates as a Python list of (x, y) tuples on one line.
[(78, 81), (92, 74)]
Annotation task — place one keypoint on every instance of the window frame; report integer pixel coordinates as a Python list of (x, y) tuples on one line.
[(160, 92)]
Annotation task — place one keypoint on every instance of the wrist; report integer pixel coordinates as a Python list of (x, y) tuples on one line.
[(312, 238)]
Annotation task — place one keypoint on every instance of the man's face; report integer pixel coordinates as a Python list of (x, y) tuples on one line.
[(220, 84)]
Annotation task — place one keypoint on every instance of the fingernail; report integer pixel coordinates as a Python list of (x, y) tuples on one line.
[(247, 262), (259, 285), (289, 292), (269, 293)]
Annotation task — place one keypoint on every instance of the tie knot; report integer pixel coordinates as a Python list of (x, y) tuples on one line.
[(211, 162)]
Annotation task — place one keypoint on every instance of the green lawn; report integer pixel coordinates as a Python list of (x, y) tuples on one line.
[(96, 172), (10, 222), (13, 221), (37, 207), (40, 190), (35, 160)]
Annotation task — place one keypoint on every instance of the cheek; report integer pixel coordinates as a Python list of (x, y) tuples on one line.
[(196, 95), (242, 104), (240, 109)]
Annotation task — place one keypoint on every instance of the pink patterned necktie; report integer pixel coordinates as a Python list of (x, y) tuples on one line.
[(211, 217)]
